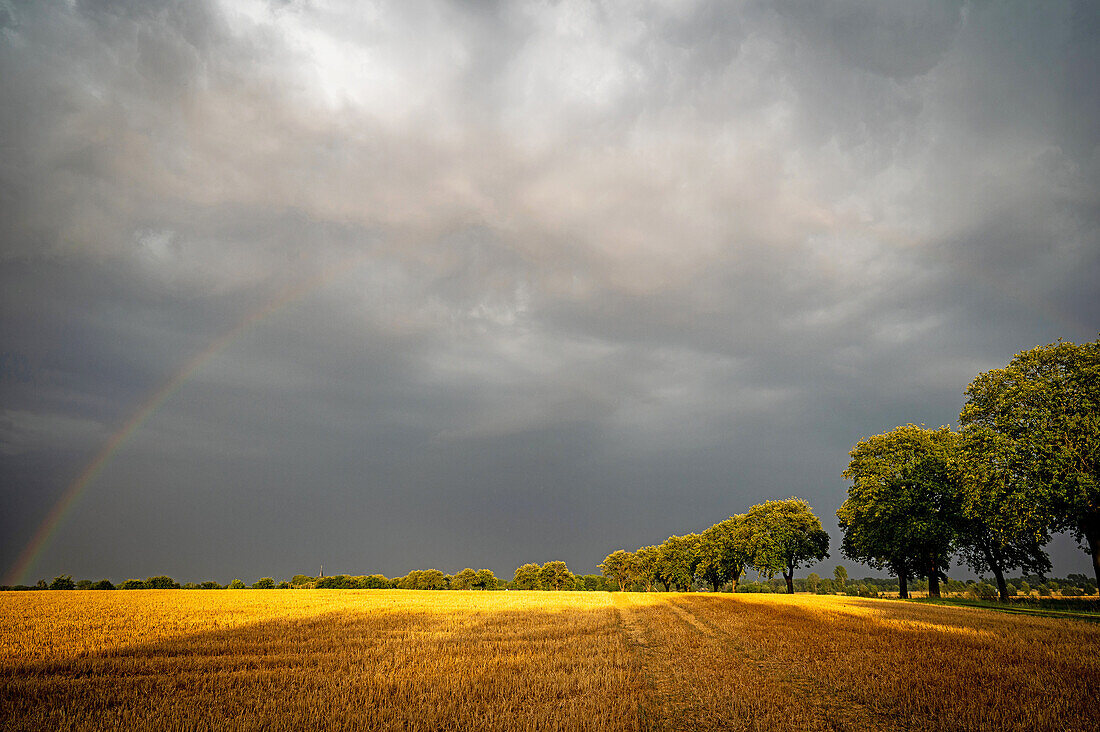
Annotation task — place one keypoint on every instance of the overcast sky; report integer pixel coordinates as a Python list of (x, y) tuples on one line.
[(484, 283)]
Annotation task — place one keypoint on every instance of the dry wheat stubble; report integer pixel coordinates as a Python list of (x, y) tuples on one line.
[(387, 659)]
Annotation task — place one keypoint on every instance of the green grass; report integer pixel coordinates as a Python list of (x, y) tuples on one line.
[(1053, 607)]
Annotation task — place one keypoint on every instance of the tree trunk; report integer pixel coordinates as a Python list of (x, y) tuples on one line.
[(733, 583), (790, 582), (714, 586), (933, 581), (1002, 587), (903, 586), (1092, 537), (995, 567)]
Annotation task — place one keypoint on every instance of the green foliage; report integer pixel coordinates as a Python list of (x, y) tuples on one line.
[(526, 577), (618, 568), (555, 576), (486, 580), (264, 583), (982, 591), (161, 582), (1042, 411), (302, 581), (724, 550), (840, 576), (596, 583), (236, 585), (464, 580), (284, 585), (84, 584), (191, 586), (132, 584), (376, 582), (103, 584), (903, 508), (644, 569), (677, 558), (208, 585), (781, 535), (63, 582)]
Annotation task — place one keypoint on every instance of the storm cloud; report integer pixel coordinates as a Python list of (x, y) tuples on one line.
[(511, 282)]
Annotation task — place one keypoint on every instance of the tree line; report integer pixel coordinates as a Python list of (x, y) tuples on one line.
[(1022, 464), (774, 538), (553, 575)]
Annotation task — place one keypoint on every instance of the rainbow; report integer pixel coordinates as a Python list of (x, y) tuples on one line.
[(152, 403)]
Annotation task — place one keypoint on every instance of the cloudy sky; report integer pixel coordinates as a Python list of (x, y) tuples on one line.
[(389, 286)]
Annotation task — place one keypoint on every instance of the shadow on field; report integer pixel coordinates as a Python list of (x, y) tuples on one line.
[(499, 670)]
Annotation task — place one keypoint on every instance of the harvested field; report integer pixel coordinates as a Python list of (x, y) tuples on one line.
[(388, 659)]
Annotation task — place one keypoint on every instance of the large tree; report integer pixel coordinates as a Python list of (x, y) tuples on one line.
[(677, 557), (1001, 527), (617, 566), (556, 576), (1046, 404), (902, 512), (723, 552), (526, 577), (464, 580), (782, 535), (644, 567)]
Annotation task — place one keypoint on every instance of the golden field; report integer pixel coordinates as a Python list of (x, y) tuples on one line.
[(416, 660)]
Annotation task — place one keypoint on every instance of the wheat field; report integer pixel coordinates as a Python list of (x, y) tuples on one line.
[(416, 660)]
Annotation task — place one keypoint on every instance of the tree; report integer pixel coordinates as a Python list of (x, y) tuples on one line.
[(616, 566), (236, 585), (103, 584), (1046, 405), (644, 569), (556, 576), (903, 510), (132, 584), (782, 535), (840, 576), (813, 582), (264, 583), (723, 552), (999, 528), (161, 582), (430, 579), (464, 580), (63, 582), (677, 558), (526, 577), (485, 580)]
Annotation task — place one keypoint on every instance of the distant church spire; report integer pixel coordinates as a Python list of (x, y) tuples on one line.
[(322, 570)]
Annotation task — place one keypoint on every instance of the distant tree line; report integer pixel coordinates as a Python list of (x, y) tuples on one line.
[(774, 538), (1024, 463), (1073, 585), (553, 575)]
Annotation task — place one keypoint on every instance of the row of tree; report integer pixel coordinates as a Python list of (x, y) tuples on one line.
[(553, 575), (1023, 463), (774, 537)]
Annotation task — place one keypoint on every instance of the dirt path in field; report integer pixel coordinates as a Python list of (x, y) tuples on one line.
[(703, 673)]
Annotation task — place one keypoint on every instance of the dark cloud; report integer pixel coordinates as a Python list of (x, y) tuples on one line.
[(511, 281)]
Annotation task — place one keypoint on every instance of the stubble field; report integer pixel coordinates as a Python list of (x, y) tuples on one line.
[(415, 660)]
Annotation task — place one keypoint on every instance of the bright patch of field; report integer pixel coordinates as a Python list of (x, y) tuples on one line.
[(386, 659)]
